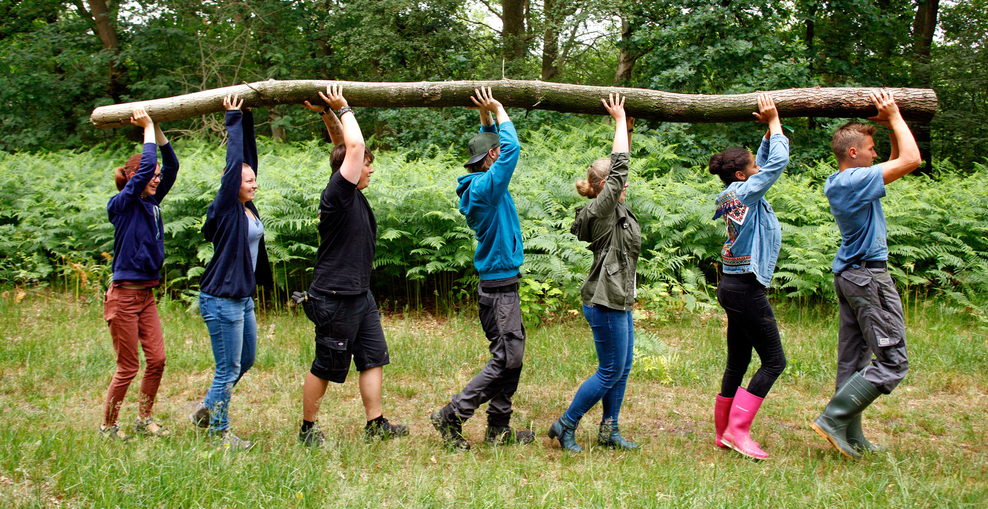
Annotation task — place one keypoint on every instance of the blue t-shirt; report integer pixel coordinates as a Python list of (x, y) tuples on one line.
[(855, 201), (255, 230)]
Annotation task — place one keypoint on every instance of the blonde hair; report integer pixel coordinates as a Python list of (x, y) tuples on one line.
[(596, 174), (850, 135)]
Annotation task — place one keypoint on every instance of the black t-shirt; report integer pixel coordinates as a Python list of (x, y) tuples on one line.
[(349, 239)]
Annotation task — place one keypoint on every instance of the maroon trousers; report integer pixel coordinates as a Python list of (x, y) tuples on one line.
[(132, 315)]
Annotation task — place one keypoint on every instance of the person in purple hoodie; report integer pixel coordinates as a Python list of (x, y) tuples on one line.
[(239, 264), (129, 308)]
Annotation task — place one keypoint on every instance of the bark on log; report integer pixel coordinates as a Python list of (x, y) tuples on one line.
[(915, 104)]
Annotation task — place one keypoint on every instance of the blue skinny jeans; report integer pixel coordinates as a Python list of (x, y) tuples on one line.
[(233, 334), (614, 338)]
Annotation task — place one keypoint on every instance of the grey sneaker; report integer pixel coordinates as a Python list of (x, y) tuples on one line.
[(452, 432), (230, 442), (504, 435), (200, 416), (112, 433), (384, 429), (312, 438), (150, 427)]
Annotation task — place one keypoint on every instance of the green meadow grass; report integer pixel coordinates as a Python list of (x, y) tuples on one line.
[(56, 360)]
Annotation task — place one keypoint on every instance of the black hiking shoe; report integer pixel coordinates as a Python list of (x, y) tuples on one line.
[(380, 427), (451, 431)]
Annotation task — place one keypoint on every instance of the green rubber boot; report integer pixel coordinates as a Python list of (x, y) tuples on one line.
[(852, 398), (855, 437)]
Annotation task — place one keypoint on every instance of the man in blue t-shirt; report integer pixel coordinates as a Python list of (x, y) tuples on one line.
[(871, 319), (490, 212)]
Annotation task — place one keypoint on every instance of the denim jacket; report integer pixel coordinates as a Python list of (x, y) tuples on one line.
[(615, 239), (753, 235)]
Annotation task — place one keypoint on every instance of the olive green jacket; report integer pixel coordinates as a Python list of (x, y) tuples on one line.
[(615, 239)]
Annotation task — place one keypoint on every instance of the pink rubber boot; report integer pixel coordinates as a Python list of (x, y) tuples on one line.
[(722, 410), (736, 436)]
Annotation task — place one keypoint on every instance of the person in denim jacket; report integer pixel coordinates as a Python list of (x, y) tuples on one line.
[(871, 318), (749, 256), (609, 291)]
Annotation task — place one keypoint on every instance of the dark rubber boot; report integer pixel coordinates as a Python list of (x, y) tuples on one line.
[(856, 394), (855, 437), (565, 431), (610, 436)]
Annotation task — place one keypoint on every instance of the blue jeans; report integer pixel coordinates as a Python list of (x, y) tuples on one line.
[(233, 334), (614, 337)]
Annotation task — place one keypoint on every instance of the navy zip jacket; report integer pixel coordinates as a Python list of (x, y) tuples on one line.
[(138, 236), (230, 273)]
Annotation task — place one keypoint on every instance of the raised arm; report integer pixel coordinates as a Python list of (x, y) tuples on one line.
[(905, 155), (228, 195), (169, 164), (137, 182), (333, 125), (494, 182), (617, 176), (353, 162), (772, 156)]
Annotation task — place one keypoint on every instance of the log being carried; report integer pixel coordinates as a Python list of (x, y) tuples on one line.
[(914, 103)]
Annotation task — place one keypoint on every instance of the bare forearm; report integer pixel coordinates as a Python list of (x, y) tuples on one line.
[(622, 139), (159, 136), (485, 118), (502, 115), (894, 144), (334, 127), (149, 134)]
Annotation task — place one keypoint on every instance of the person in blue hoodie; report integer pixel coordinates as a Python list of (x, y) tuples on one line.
[(239, 264), (129, 308), (749, 256), (490, 212)]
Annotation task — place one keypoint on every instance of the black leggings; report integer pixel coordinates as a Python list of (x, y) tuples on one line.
[(750, 325)]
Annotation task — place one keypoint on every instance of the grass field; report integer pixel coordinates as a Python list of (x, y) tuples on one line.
[(56, 360)]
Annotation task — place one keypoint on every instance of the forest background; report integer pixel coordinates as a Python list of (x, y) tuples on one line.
[(59, 60)]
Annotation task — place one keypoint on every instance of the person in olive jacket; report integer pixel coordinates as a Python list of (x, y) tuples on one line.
[(609, 291)]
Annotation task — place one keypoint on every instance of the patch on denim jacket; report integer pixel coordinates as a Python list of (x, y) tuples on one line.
[(729, 206)]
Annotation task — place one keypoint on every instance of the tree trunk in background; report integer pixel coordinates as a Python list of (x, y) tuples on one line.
[(811, 9), (924, 27), (915, 104), (550, 40), (628, 55), (104, 24), (513, 34)]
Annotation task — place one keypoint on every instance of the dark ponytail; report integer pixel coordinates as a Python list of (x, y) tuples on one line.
[(727, 163)]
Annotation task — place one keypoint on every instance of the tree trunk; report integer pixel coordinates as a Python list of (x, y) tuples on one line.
[(550, 40), (104, 25), (628, 56), (915, 104), (924, 28), (513, 33)]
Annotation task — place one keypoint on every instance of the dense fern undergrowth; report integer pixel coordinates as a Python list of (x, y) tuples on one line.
[(54, 228)]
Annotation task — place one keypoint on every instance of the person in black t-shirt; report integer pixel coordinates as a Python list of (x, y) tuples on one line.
[(340, 303)]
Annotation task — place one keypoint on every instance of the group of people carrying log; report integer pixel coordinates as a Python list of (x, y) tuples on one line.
[(871, 349)]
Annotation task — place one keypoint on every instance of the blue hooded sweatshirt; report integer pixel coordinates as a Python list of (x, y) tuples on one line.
[(139, 237), (490, 211)]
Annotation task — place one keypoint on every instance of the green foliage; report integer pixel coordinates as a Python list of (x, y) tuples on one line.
[(54, 227)]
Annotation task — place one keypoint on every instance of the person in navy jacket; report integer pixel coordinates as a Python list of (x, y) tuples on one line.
[(749, 256), (130, 309), (239, 264)]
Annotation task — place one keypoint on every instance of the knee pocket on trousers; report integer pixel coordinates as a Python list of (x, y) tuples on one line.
[(332, 354)]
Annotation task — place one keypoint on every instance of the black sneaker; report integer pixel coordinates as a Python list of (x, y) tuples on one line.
[(313, 437), (451, 431), (504, 435), (384, 429)]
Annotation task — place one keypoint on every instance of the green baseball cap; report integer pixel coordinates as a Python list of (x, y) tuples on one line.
[(480, 144)]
